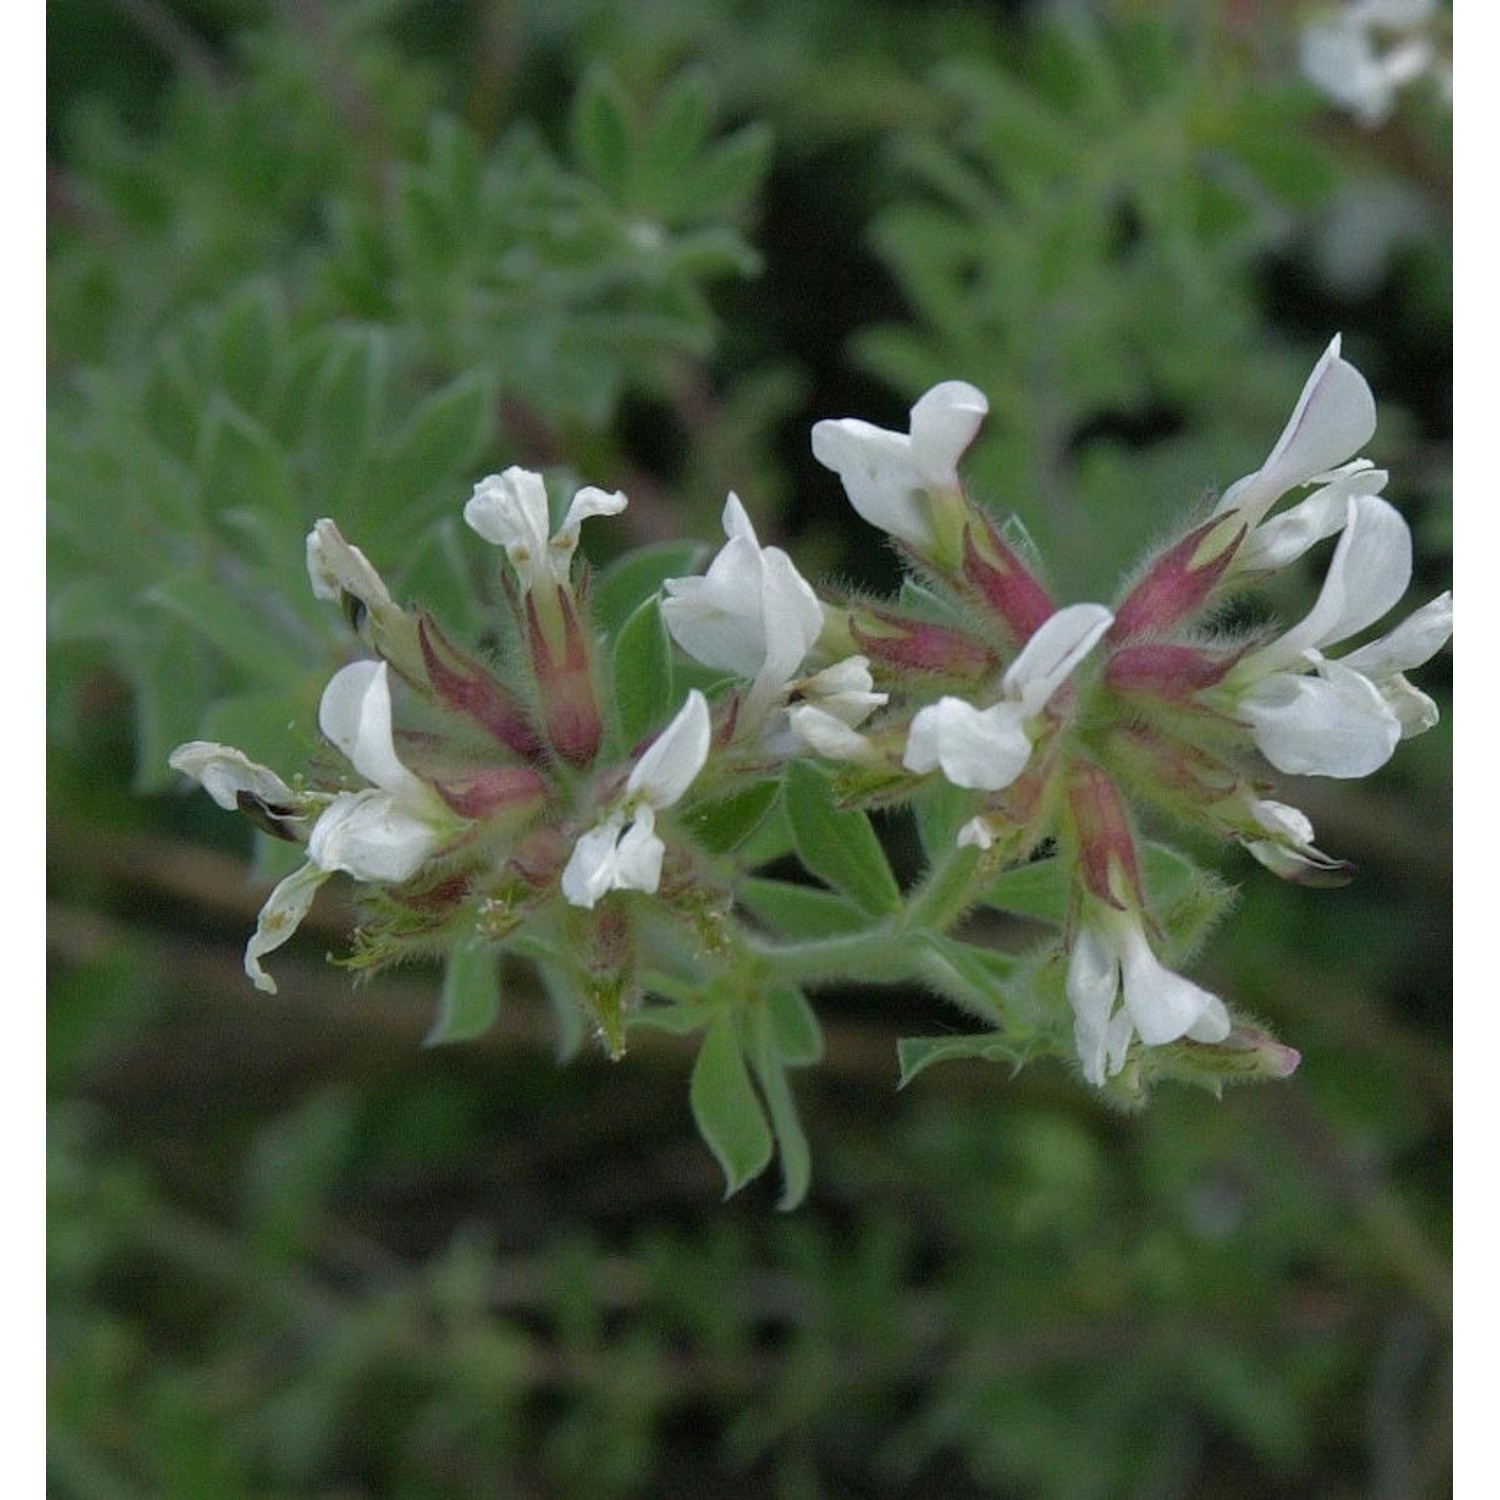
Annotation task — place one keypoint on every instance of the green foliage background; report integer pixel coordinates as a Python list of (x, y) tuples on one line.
[(342, 259)]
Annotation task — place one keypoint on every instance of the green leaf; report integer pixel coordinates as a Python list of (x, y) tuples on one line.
[(967, 974), (794, 1023), (261, 649), (641, 670), (600, 129), (252, 342), (918, 1053), (796, 912), (725, 823), (620, 589), (726, 1108), (838, 845), (241, 467), (470, 999), (1038, 890), (791, 1139), (442, 437)]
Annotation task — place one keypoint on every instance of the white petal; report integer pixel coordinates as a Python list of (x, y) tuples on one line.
[(1284, 538), (334, 567), (355, 715), (943, 425), (369, 836), (983, 750), (820, 730), (1340, 59), (1093, 982), (510, 510), (752, 613), (1411, 706), (791, 615), (976, 834), (638, 855), (1369, 573), (1163, 1005), (589, 501), (591, 866), (279, 918), (1052, 653), (1418, 638), (1334, 417), (1333, 723), (1289, 824), (879, 474), (224, 772), (670, 764)]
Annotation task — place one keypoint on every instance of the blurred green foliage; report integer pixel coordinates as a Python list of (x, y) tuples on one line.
[(323, 259)]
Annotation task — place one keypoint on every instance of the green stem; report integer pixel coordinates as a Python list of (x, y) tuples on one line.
[(945, 894)]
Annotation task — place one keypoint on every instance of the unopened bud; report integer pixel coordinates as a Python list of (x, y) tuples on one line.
[(1178, 583), (466, 686), (1170, 673), (512, 791), (565, 684), (1006, 585), (1106, 846), (920, 646)]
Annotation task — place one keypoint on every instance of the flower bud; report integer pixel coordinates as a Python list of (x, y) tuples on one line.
[(1106, 846), (565, 683), (990, 566), (466, 686), (920, 646), (1178, 583)]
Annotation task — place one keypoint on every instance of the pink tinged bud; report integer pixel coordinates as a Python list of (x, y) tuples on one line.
[(565, 685), (464, 685), (1179, 581), (515, 791), (1106, 846), (1167, 672), (1244, 1053), (1000, 576), (919, 646)]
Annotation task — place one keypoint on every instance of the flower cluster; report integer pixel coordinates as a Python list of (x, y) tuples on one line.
[(532, 810)]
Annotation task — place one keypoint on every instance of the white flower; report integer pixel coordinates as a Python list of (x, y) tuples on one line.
[(1313, 716), (830, 705), (1343, 56), (385, 832), (224, 773), (1334, 417), (752, 613), (890, 477), (1287, 850), (510, 510), (1109, 955), (986, 749), (336, 567), (623, 851)]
